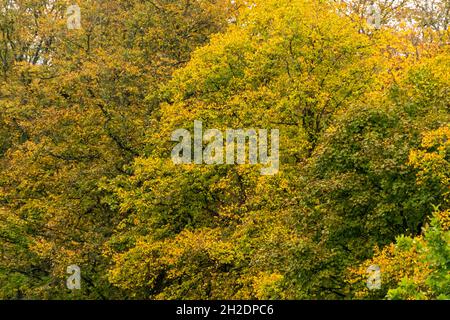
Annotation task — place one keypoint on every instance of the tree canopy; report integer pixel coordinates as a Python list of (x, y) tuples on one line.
[(87, 179)]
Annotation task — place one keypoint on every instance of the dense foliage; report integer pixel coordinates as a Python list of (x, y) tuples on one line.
[(86, 175)]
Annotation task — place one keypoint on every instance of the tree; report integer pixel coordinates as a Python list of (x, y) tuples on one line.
[(286, 65), (73, 111), (418, 267)]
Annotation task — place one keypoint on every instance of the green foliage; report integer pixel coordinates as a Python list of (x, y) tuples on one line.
[(73, 111), (418, 267), (86, 176)]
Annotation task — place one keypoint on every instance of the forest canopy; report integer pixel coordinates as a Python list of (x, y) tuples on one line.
[(358, 89)]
